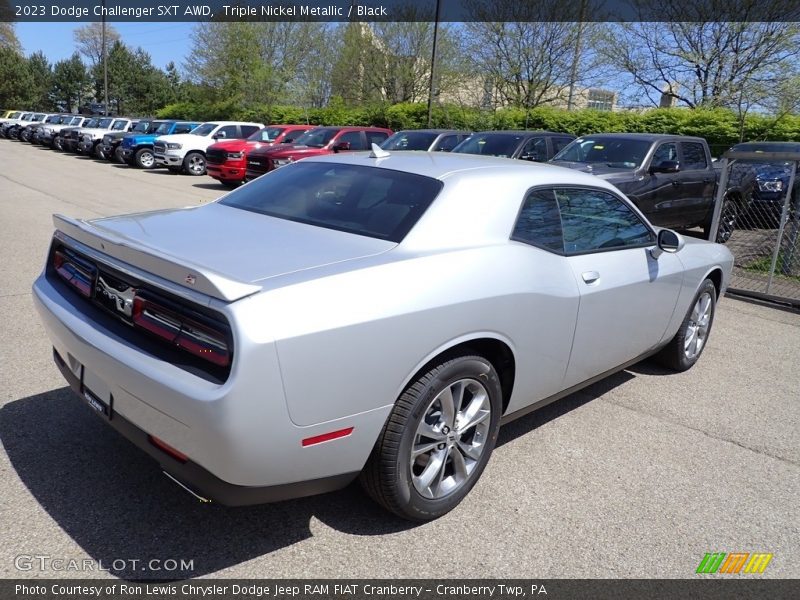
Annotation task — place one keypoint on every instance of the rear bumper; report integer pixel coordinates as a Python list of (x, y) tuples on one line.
[(200, 481), (241, 443)]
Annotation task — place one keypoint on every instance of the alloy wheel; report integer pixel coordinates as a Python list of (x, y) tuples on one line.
[(450, 438), (699, 324)]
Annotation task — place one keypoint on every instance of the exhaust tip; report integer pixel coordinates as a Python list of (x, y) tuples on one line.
[(202, 499)]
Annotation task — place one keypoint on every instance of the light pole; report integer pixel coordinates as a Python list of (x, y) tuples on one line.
[(433, 62), (105, 63)]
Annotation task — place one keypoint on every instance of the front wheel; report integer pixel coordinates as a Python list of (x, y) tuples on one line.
[(98, 152), (688, 344), (194, 164), (144, 158), (437, 439)]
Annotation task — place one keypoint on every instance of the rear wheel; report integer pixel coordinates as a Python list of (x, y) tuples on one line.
[(727, 221), (144, 158), (195, 164), (98, 151), (685, 348), (437, 439)]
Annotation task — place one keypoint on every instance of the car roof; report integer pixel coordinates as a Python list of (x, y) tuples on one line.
[(522, 132), (433, 131), (442, 165), (230, 123), (645, 137)]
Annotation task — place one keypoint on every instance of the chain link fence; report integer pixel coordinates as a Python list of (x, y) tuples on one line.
[(765, 233)]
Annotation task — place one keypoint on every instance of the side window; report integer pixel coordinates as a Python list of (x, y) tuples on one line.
[(539, 222), (597, 220), (694, 155), (230, 131), (248, 130), (183, 128), (292, 136), (353, 138), (664, 152), (375, 137), (535, 149), (559, 144), (447, 143)]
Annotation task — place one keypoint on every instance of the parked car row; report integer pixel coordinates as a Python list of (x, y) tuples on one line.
[(670, 178)]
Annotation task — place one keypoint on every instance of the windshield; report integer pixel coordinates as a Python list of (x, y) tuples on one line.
[(104, 123), (316, 138), (410, 140), (377, 203), (268, 134), (91, 123), (120, 125), (53, 119), (163, 128), (14, 115), (39, 117), (155, 126), (205, 129), (614, 152), (76, 121), (489, 144)]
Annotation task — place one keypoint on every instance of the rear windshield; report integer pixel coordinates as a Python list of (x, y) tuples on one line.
[(369, 201), (767, 147), (489, 144), (409, 140)]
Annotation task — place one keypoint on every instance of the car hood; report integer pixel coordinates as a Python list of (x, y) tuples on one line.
[(283, 151), (241, 245), (93, 130), (181, 138), (598, 169), (237, 145)]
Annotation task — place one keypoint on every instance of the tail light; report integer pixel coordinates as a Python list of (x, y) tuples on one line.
[(200, 339), (76, 272)]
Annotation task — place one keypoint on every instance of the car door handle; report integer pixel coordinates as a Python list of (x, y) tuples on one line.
[(591, 277)]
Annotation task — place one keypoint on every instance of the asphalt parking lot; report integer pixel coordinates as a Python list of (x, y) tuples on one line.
[(637, 476)]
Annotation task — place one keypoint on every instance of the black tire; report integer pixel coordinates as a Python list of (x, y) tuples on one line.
[(675, 354), (388, 476), (194, 163), (144, 158), (98, 151), (729, 215)]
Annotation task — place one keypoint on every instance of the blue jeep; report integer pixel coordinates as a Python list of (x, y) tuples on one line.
[(137, 150)]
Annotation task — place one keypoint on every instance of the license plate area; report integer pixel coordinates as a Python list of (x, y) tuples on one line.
[(96, 393)]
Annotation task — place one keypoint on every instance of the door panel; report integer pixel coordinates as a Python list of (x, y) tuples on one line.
[(627, 300)]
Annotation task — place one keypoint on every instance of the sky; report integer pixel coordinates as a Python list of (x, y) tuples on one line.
[(164, 41)]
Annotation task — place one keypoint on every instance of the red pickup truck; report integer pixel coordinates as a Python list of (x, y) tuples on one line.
[(319, 141), (227, 161)]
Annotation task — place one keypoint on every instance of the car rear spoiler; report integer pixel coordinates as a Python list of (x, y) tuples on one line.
[(191, 276)]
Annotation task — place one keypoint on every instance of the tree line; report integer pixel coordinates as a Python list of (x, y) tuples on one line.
[(514, 56)]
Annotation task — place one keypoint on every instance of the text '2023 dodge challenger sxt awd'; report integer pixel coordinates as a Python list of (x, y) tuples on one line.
[(365, 315)]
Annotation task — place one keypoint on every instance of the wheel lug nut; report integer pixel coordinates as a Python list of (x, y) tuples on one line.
[(445, 429), (441, 446)]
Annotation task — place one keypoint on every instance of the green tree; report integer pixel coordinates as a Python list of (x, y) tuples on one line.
[(41, 81), (15, 79), (69, 83)]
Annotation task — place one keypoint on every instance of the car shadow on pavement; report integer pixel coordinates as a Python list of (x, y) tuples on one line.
[(544, 415), (113, 500), (217, 187)]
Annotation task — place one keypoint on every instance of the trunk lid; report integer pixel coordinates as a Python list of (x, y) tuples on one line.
[(221, 251)]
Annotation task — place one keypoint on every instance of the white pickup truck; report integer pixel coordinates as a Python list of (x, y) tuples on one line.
[(187, 151)]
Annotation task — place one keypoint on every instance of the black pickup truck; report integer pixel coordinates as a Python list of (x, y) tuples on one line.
[(671, 178)]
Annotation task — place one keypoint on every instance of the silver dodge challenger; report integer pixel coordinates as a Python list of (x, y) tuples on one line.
[(375, 316)]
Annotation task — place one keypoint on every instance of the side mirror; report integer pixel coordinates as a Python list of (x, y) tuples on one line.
[(669, 242), (531, 156), (341, 146), (220, 135), (666, 166)]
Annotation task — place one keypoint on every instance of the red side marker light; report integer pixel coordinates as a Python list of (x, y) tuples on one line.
[(326, 437), (166, 448)]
